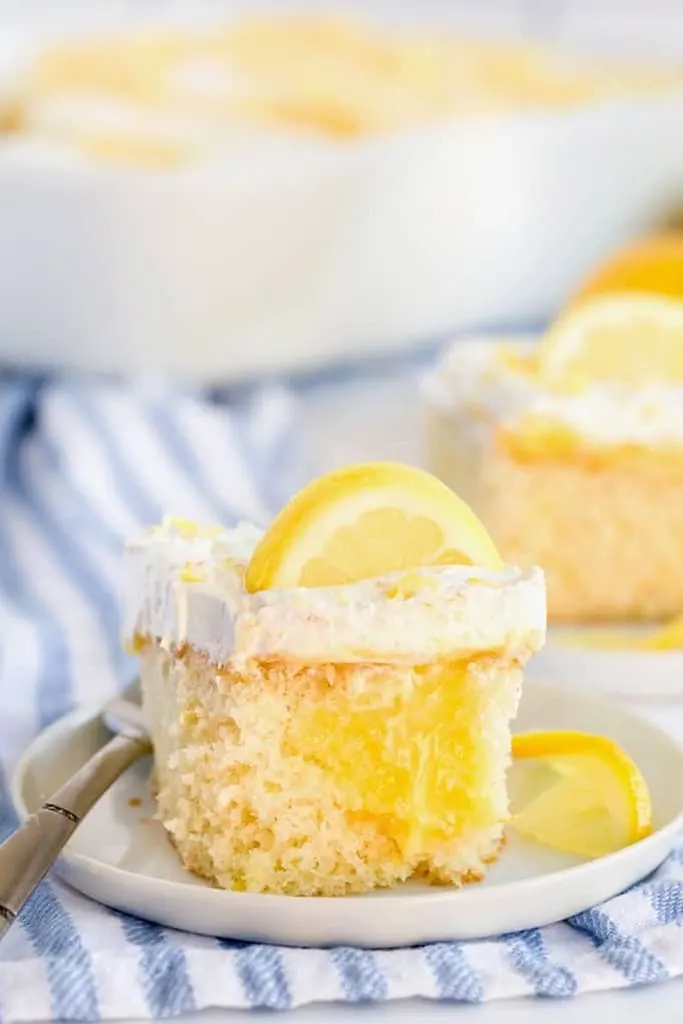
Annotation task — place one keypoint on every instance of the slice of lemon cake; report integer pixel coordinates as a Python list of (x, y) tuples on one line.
[(330, 702), (571, 452)]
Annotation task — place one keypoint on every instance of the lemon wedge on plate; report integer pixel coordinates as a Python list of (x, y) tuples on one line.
[(365, 521), (623, 339), (578, 792)]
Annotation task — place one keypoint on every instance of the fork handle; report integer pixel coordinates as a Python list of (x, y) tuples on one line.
[(29, 853)]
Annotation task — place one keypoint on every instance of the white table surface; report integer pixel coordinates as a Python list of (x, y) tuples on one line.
[(662, 1003)]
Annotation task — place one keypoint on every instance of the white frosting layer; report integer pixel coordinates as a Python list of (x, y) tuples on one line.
[(472, 374), (455, 609), (80, 114)]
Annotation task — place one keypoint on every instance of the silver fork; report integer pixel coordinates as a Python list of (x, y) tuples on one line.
[(29, 853)]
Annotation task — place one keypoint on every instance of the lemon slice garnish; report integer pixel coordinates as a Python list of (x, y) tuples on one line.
[(652, 265), (668, 637), (578, 792), (623, 339), (365, 521)]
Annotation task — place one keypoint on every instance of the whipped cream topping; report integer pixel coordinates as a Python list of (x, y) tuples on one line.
[(473, 374), (184, 588), (82, 114)]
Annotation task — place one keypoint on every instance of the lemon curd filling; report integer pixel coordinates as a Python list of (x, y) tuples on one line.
[(411, 761), (581, 473), (328, 739)]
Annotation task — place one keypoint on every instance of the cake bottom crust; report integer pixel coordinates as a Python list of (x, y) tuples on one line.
[(492, 845), (328, 780)]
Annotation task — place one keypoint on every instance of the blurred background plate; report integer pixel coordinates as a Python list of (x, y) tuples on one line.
[(647, 677)]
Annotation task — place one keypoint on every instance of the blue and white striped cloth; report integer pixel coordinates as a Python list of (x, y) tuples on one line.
[(81, 466)]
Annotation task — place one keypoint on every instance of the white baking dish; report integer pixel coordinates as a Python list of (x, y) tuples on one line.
[(286, 253)]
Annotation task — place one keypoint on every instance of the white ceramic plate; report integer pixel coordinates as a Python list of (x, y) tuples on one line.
[(636, 675), (122, 858)]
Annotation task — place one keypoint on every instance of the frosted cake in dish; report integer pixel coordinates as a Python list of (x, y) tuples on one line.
[(327, 740), (166, 96), (583, 477)]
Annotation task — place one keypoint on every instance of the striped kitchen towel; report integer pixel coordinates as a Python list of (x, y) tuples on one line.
[(82, 465)]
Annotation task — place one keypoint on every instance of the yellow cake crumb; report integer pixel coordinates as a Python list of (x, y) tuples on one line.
[(330, 779)]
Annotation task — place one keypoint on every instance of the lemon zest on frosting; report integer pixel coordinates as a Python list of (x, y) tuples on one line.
[(409, 585), (192, 573)]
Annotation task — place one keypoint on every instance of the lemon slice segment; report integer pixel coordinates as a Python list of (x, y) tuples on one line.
[(652, 265), (667, 637), (365, 521), (624, 339), (578, 793)]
